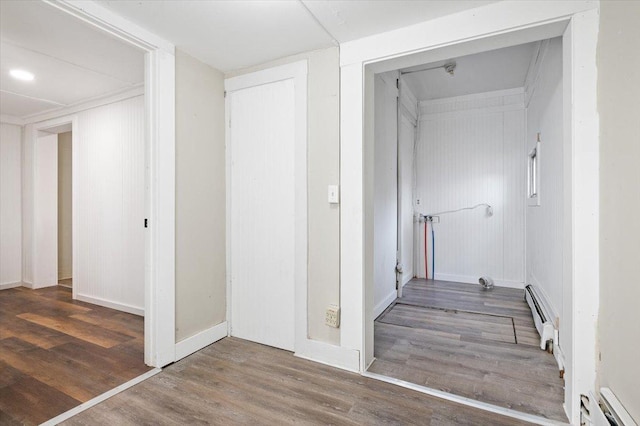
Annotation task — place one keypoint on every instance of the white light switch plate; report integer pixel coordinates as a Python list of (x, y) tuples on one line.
[(334, 194)]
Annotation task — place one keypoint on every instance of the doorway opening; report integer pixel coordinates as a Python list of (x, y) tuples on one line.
[(467, 280), (88, 137), (65, 210)]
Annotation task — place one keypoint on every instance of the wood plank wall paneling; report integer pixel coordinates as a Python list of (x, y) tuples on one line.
[(471, 151), (109, 191)]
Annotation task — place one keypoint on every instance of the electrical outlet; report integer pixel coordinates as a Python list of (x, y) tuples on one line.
[(332, 316), (435, 219)]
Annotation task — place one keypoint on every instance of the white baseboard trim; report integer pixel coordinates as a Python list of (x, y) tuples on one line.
[(110, 304), (474, 280), (198, 341), (331, 355), (27, 284), (384, 304), (558, 354), (406, 278), (100, 398), (508, 412), (6, 286), (64, 285)]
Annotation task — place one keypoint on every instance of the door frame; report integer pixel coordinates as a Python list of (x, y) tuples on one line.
[(52, 126), (159, 324), (297, 71), (485, 28)]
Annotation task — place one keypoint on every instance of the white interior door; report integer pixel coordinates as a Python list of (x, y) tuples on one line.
[(406, 136), (385, 201), (262, 213), (46, 211)]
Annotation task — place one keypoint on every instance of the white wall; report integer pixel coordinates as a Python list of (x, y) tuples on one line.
[(109, 190), (544, 233), (10, 205), (470, 151), (618, 94), (65, 257), (200, 197), (385, 191)]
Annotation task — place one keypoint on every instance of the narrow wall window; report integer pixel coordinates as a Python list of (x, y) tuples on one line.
[(533, 176)]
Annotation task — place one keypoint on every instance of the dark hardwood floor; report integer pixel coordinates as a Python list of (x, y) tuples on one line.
[(238, 382), (56, 353), (464, 340)]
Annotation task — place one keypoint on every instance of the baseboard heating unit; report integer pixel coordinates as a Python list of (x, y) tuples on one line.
[(605, 410), (541, 318)]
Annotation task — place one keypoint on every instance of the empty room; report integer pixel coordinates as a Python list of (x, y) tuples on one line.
[(319, 212), (460, 227)]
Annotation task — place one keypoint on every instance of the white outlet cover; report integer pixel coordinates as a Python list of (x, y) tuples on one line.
[(333, 194)]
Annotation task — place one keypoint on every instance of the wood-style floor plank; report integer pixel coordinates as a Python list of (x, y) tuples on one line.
[(235, 382), (56, 353), (472, 353)]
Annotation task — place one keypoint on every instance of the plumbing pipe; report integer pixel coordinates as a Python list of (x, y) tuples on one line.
[(433, 252), (426, 264)]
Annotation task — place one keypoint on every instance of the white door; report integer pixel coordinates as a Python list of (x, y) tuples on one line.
[(262, 213), (406, 136), (385, 202)]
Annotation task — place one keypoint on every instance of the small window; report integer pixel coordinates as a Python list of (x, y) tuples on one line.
[(533, 174)]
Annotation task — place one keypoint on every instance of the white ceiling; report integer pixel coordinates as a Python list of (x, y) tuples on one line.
[(71, 60), (482, 72), (232, 34)]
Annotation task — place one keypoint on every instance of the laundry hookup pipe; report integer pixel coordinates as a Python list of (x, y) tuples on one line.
[(426, 264), (433, 252)]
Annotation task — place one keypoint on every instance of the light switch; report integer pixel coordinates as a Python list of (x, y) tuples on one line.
[(334, 194)]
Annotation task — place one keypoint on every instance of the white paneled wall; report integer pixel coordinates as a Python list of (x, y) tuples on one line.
[(10, 205), (544, 222), (108, 188), (471, 151), (385, 198)]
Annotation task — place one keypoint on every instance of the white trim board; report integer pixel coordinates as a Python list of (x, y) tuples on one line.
[(11, 119), (201, 340), (384, 303), (5, 286), (110, 304), (474, 111), (96, 102), (473, 96), (331, 355), (100, 398)]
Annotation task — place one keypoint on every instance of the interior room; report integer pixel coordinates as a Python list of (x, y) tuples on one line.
[(319, 212), (72, 174), (467, 213)]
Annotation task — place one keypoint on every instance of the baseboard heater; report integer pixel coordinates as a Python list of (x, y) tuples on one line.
[(605, 410), (540, 317)]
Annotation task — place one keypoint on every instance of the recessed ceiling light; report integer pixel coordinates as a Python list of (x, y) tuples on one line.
[(22, 75)]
